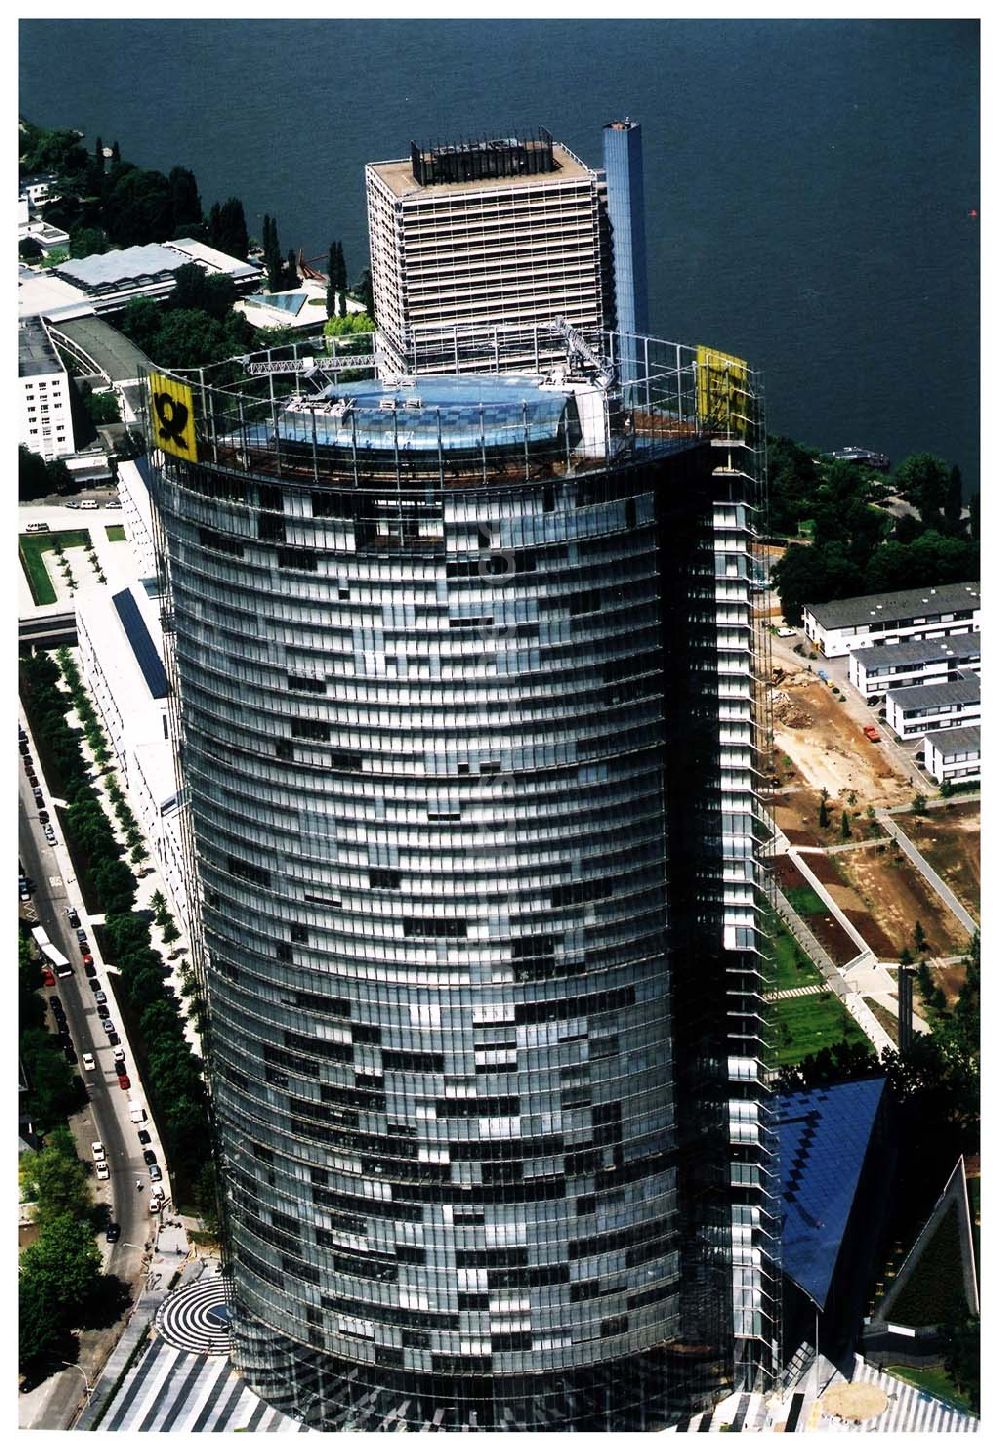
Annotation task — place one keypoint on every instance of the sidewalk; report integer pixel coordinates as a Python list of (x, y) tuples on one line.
[(934, 879)]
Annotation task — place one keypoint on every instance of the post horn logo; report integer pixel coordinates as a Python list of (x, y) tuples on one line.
[(173, 414)]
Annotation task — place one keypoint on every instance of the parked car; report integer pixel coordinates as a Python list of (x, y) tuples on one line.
[(104, 1013), (156, 1201), (103, 1171), (97, 1151), (871, 733), (149, 1157), (119, 1054), (136, 1112), (123, 1081), (48, 977), (81, 936), (113, 505), (89, 1064), (155, 1175), (88, 960), (73, 917), (100, 997), (50, 834), (144, 1136), (89, 505), (56, 1005), (93, 982), (112, 1232), (109, 1027), (70, 1053), (35, 527), (43, 816), (113, 1037)]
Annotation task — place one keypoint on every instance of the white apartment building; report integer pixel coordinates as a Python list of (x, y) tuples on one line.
[(953, 756), (913, 711), (477, 248), (874, 671), (46, 425), (121, 643), (840, 627), (137, 514)]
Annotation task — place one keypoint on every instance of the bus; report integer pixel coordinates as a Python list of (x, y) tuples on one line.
[(41, 937), (58, 960)]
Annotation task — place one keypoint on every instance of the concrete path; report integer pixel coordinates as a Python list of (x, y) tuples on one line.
[(934, 879), (834, 908)]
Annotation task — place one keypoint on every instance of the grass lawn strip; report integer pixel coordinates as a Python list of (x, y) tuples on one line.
[(792, 966), (810, 1023), (805, 901), (934, 1380), (30, 549), (115, 532)]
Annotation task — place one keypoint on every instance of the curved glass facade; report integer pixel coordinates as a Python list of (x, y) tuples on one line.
[(448, 800)]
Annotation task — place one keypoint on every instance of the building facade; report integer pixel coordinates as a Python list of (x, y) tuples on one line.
[(954, 755), (46, 423), (477, 248), (468, 720)]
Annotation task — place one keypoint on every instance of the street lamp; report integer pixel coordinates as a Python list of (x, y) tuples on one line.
[(83, 1376)]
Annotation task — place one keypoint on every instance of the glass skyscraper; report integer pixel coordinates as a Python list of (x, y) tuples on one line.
[(467, 716), (627, 215)]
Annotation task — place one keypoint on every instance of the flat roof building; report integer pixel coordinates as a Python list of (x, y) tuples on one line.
[(842, 626), (953, 755), (46, 421), (111, 279), (876, 670), (913, 711), (477, 247)]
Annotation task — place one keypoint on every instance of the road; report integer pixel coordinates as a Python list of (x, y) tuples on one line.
[(105, 1118)]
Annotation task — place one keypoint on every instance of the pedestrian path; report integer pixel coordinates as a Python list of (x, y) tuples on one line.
[(934, 879), (176, 1391), (797, 990), (909, 1410)]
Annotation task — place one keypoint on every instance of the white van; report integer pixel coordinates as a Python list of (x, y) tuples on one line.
[(135, 1111), (89, 505)]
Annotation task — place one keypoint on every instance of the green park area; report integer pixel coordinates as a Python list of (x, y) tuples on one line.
[(115, 532), (31, 550), (791, 966)]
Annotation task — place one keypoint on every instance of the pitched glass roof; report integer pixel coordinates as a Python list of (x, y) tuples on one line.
[(823, 1138), (141, 642)]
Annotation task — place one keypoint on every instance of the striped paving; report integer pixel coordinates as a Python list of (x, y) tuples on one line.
[(796, 991), (910, 1411), (177, 1391), (196, 1317)]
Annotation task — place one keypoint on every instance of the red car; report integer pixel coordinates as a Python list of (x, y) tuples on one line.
[(124, 1082), (47, 976), (871, 733), (88, 962)]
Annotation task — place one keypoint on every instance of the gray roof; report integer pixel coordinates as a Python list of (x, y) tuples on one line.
[(955, 740), (894, 605), (35, 354), (127, 265), (965, 691), (960, 648), (115, 356)]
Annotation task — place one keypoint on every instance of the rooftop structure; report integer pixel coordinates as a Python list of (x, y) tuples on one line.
[(99, 348), (626, 215), (468, 722), (111, 279), (912, 711)]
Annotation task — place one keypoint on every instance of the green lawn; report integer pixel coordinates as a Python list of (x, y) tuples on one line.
[(809, 1023), (31, 548), (792, 966), (934, 1380), (115, 532), (804, 900)]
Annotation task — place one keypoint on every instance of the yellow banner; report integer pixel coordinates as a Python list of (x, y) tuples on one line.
[(723, 390), (172, 412)]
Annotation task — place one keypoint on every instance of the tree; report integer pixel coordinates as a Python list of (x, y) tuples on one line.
[(962, 1358), (85, 242), (184, 200), (139, 207), (29, 249), (114, 884), (919, 803), (366, 292), (158, 904), (213, 294), (919, 938), (56, 1176), (32, 476), (64, 1262), (331, 286), (227, 228), (925, 481), (845, 825), (272, 253), (824, 812), (170, 933)]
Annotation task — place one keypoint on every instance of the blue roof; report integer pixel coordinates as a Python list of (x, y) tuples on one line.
[(823, 1138), (455, 410), (141, 643)]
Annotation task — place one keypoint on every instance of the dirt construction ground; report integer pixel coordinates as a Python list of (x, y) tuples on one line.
[(895, 896), (948, 838), (829, 749)]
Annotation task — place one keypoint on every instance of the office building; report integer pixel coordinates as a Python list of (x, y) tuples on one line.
[(627, 218), (469, 725), (477, 247), (857, 622), (46, 423)]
